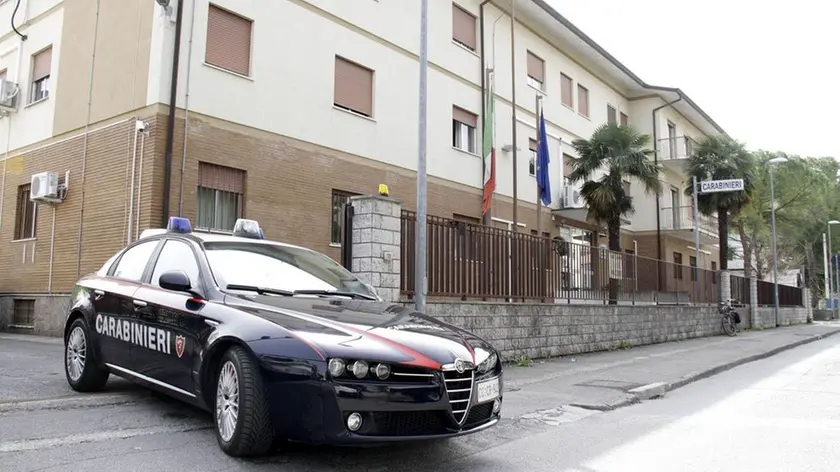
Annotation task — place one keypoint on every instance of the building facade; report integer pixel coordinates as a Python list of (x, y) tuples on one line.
[(284, 109)]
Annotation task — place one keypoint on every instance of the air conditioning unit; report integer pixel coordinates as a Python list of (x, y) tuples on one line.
[(9, 92), (44, 187), (572, 197)]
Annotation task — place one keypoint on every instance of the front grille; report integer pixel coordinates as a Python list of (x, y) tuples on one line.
[(479, 414), (459, 389), (408, 423)]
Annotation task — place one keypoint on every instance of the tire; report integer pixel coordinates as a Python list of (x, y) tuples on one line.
[(728, 325), (249, 431), (80, 367)]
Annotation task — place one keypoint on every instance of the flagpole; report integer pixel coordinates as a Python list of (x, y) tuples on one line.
[(513, 108), (536, 165)]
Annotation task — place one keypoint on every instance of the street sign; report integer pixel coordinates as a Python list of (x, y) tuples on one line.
[(714, 186)]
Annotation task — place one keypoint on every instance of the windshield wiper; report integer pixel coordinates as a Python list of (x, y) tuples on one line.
[(335, 293), (260, 290)]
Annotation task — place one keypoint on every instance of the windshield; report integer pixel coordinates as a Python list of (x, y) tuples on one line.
[(279, 267)]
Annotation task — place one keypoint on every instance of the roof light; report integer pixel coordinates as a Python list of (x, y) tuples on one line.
[(178, 225), (248, 229)]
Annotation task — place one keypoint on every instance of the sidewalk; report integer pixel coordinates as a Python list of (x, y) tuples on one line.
[(605, 381)]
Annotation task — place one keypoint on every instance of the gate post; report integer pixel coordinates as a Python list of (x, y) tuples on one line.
[(376, 242)]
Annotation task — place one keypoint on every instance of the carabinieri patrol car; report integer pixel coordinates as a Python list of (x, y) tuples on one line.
[(278, 341)]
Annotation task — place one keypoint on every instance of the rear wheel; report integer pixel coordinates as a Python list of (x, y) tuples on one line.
[(241, 413), (80, 367), (728, 325)]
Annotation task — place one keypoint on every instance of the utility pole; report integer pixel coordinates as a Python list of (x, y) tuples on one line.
[(420, 243), (513, 110)]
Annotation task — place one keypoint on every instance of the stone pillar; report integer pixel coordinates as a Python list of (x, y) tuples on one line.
[(376, 244), (754, 301), (725, 285)]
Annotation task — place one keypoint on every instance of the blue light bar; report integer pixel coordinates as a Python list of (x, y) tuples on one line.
[(178, 225), (248, 229)]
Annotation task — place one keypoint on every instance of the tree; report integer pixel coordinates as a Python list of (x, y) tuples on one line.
[(722, 158), (620, 153)]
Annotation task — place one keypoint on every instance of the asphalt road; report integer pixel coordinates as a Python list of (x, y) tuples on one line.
[(781, 413)]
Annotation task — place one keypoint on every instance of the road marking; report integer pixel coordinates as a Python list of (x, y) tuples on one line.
[(69, 402), (37, 444)]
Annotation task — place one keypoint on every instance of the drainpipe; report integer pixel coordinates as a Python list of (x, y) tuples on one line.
[(658, 211), (486, 217), (170, 126)]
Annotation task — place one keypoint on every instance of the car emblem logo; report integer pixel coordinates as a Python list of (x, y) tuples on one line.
[(459, 366), (179, 345)]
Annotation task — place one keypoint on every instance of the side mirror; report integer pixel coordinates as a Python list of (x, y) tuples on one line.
[(175, 280)]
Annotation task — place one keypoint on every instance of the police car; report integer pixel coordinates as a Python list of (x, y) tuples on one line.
[(277, 341)]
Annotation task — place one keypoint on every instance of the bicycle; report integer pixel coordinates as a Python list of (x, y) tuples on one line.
[(731, 320)]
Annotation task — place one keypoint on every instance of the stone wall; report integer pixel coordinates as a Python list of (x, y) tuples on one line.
[(545, 330), (48, 316), (766, 318)]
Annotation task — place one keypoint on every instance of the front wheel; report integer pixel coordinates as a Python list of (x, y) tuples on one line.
[(728, 325), (241, 413)]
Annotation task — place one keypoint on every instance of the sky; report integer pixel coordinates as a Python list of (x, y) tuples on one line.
[(761, 69)]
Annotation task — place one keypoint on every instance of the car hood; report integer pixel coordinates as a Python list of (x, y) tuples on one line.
[(368, 330)]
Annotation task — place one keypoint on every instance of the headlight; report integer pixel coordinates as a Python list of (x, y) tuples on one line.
[(337, 367), (383, 371), (489, 363), (360, 369)]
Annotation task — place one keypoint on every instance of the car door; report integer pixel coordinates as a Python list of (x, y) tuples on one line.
[(176, 319), (113, 302)]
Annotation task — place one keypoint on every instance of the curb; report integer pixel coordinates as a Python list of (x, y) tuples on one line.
[(660, 388)]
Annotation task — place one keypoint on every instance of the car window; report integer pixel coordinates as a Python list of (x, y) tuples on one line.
[(278, 267), (176, 255), (133, 262)]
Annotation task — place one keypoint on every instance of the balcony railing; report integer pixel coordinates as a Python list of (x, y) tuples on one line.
[(680, 147), (683, 218)]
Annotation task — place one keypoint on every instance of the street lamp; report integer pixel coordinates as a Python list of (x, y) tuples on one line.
[(777, 160), (830, 274)]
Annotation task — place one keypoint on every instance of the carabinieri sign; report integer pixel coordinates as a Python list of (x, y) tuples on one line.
[(713, 186)]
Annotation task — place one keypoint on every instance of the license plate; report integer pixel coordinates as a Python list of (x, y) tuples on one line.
[(488, 390)]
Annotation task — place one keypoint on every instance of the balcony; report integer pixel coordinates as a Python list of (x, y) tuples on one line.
[(674, 152), (679, 222), (572, 207)]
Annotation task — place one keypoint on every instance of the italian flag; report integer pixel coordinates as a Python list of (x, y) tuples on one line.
[(488, 151)]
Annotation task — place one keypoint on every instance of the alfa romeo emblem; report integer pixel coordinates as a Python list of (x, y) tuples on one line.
[(459, 366)]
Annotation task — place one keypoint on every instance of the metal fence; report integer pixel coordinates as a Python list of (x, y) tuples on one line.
[(740, 289), (788, 296), (470, 261)]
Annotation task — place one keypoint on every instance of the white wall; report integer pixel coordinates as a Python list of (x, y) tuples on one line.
[(32, 122)]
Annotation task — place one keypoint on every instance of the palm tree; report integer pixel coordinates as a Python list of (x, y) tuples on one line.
[(621, 153), (721, 158)]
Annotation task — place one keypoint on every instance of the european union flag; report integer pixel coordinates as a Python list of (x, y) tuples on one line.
[(543, 181)]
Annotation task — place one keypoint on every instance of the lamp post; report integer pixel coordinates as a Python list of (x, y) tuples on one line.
[(420, 242), (830, 274), (772, 162)]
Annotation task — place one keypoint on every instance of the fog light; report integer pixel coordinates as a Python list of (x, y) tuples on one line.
[(354, 421), (360, 369), (383, 371), (497, 405)]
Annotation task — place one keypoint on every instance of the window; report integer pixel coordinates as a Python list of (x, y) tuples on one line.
[(626, 187), (279, 267), (41, 65), (689, 146), (228, 41), (340, 198), (353, 87), (26, 214), (583, 100), (566, 91), (714, 272), (176, 255), (221, 191), (672, 139), (23, 313), (463, 27), (532, 162), (692, 261), (467, 236), (464, 125), (133, 262), (623, 119), (536, 71), (678, 268), (611, 118), (567, 168)]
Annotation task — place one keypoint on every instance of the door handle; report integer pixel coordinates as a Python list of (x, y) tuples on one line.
[(98, 294), (139, 304)]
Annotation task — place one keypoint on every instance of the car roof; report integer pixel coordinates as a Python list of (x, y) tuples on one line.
[(204, 236)]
